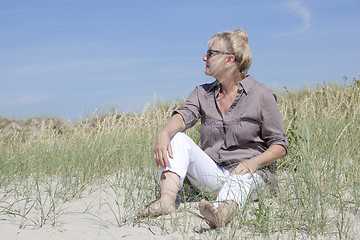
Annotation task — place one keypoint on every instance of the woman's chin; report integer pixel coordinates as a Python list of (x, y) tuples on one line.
[(207, 72)]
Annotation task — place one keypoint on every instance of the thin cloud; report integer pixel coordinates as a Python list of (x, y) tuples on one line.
[(79, 65), (302, 12), (15, 11), (16, 99)]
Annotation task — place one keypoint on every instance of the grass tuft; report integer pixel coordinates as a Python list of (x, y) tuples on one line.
[(47, 163)]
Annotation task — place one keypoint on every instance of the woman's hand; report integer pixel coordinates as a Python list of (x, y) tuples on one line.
[(162, 150), (248, 166), (162, 147)]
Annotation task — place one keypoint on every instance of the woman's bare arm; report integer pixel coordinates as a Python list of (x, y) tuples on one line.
[(162, 147), (273, 153)]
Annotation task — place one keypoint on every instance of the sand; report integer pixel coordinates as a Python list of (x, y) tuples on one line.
[(90, 217)]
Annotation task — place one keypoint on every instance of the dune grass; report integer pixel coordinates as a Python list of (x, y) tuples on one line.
[(41, 171)]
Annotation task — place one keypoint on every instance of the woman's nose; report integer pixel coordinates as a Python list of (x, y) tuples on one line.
[(205, 58)]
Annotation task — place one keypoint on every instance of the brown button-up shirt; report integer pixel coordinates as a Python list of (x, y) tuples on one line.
[(252, 124)]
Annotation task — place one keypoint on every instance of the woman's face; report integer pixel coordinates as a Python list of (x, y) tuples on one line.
[(212, 61)]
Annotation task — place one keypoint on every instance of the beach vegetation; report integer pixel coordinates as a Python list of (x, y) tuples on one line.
[(105, 165)]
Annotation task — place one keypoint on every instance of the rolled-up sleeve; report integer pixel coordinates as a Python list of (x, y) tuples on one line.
[(190, 111), (272, 129)]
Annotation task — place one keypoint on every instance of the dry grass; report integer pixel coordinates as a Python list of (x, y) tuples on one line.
[(45, 164)]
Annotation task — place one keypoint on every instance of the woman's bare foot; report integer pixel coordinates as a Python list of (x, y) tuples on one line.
[(222, 215), (156, 209), (210, 213)]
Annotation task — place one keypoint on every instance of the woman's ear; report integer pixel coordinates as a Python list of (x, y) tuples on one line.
[(230, 59)]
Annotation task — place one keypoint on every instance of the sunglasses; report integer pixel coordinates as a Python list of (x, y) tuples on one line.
[(210, 52)]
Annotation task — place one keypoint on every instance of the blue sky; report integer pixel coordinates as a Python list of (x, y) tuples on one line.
[(68, 58)]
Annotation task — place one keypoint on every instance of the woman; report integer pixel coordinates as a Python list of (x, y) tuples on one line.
[(242, 135)]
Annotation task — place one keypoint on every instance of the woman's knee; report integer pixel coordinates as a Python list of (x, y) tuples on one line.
[(181, 140), (179, 137)]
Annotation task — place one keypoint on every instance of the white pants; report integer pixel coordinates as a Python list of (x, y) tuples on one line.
[(203, 173)]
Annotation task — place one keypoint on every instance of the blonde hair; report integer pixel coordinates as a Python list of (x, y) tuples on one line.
[(234, 43)]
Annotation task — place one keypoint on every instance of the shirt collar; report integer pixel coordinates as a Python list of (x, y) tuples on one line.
[(213, 85), (245, 84)]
